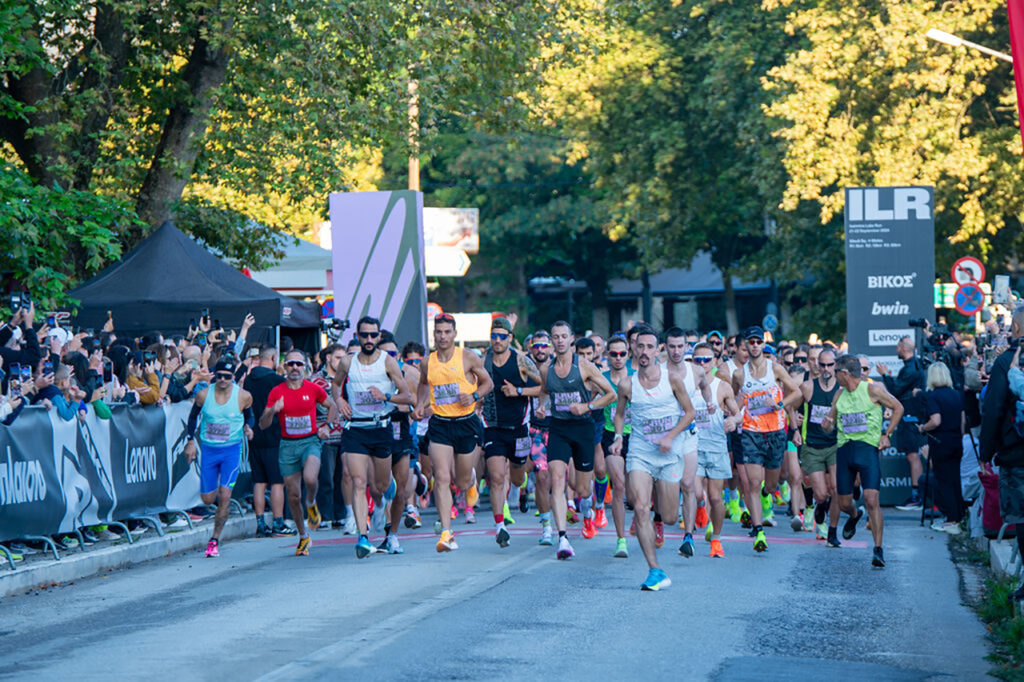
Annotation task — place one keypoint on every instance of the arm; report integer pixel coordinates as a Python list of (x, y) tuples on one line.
[(625, 392), (828, 422), (792, 395), (733, 418), (529, 373), (342, 405), (705, 388), (589, 372), (422, 392), (993, 413), (484, 384), (885, 399), (685, 419), (934, 421), (403, 397)]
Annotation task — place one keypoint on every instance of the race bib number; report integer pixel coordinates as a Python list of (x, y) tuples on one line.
[(396, 430), (297, 426), (564, 401), (655, 429), (761, 403), (523, 447), (217, 433), (366, 399), (819, 412), (446, 394), (703, 419), (855, 422)]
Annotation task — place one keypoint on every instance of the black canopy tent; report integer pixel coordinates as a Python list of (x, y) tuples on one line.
[(169, 279)]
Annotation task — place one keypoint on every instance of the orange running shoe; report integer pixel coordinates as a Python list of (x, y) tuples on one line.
[(455, 512), (659, 534), (716, 549), (447, 542), (472, 496), (608, 495), (589, 530), (632, 526), (702, 517), (600, 520)]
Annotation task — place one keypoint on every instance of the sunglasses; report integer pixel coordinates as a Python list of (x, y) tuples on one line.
[(865, 369), (444, 317), (826, 364), (800, 358), (499, 336), (295, 363), (414, 361), (617, 353), (369, 335), (715, 342), (702, 359), (755, 342), (225, 376), (541, 345), (787, 363), (392, 353)]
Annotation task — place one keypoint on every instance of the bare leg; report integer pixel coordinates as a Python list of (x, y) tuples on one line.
[(874, 515), (441, 458), (687, 484), (400, 470), (291, 484), (617, 472), (640, 488), (755, 475), (715, 487), (358, 465), (557, 470), (259, 498)]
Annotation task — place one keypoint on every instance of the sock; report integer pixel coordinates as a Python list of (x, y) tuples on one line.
[(392, 490), (499, 519), (585, 506), (545, 518), (832, 531), (392, 535), (600, 488), (561, 534), (261, 522), (363, 537), (715, 536), (304, 535), (278, 520), (348, 511), (727, 496), (657, 517), (758, 529), (387, 529), (702, 502), (409, 509), (914, 494)]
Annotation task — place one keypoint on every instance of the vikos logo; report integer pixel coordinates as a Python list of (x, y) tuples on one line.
[(891, 281)]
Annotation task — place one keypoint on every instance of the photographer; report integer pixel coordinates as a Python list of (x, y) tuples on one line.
[(142, 377), (909, 440), (1000, 440)]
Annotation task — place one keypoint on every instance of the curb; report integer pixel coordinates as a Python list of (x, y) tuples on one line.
[(77, 564)]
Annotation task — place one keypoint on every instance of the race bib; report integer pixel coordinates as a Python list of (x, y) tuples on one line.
[(855, 422), (703, 419), (297, 426), (217, 433), (761, 403), (446, 394), (366, 399), (819, 412), (563, 401), (655, 429), (396, 430), (523, 447)]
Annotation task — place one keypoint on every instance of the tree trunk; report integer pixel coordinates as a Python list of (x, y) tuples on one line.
[(179, 145), (731, 322)]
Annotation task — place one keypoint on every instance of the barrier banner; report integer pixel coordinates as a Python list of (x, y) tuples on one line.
[(29, 489)]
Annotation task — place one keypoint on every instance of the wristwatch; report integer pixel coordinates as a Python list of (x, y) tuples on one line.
[(519, 390), (590, 406), (476, 395)]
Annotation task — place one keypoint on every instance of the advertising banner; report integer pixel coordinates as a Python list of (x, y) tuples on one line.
[(890, 265), (377, 245)]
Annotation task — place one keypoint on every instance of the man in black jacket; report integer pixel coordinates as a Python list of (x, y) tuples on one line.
[(263, 448), (1000, 440), (29, 353), (908, 439)]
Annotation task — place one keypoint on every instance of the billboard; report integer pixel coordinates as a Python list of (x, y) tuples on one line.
[(377, 254), (890, 265), (457, 228)]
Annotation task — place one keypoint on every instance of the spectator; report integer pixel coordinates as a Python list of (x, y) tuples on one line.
[(54, 391), (25, 350), (944, 407), (142, 378)]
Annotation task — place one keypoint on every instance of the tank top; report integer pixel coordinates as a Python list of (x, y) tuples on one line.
[(711, 437), (222, 424), (762, 400), (655, 411), (566, 392), (609, 410), (858, 417), (499, 410), (360, 379), (816, 409), (447, 380)]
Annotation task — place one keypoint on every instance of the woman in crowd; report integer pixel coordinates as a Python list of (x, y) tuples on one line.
[(945, 411)]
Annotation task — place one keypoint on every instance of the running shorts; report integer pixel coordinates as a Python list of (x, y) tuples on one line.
[(855, 457), (218, 466)]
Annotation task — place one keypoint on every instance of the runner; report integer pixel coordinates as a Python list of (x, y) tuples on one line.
[(412, 356), (506, 419), (661, 412), (618, 372), (264, 446), (586, 350), (857, 410), (455, 432), (572, 427), (374, 386), (540, 421), (733, 359), (294, 402), (818, 447), (713, 468), (330, 497), (763, 443), (225, 415)]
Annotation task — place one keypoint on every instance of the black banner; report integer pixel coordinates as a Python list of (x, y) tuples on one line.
[(30, 493)]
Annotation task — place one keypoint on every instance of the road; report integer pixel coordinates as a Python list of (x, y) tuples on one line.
[(799, 611)]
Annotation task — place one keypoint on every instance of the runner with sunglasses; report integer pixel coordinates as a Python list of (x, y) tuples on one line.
[(506, 418), (419, 467), (453, 381), (586, 349), (818, 447), (617, 372), (224, 413), (294, 402), (757, 384), (540, 408)]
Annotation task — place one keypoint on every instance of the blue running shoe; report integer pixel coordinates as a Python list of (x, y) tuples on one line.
[(363, 547), (686, 549), (656, 580)]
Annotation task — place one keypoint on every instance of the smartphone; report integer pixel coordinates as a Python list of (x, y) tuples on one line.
[(110, 314), (149, 356), (205, 315), (216, 324), (51, 320), (201, 339), (108, 372), (47, 367), (26, 373), (191, 322)]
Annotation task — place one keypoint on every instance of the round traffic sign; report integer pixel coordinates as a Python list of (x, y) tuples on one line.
[(968, 269), (969, 299), (770, 322)]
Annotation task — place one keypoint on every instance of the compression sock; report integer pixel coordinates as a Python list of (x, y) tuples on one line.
[(348, 511), (499, 519), (387, 529), (391, 491), (545, 518), (585, 507), (657, 517), (600, 488)]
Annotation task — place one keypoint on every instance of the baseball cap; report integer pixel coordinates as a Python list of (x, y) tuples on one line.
[(226, 364), (715, 332), (754, 332), (501, 323)]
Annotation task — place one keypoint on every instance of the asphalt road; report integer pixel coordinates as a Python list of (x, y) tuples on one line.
[(799, 611)]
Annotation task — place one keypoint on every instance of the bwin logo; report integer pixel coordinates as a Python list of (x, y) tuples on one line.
[(140, 464), (896, 308), (863, 204), (891, 281)]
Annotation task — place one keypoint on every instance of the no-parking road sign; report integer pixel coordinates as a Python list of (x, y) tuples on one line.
[(969, 299)]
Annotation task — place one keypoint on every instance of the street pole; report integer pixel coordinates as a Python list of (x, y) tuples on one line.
[(414, 127), (957, 41)]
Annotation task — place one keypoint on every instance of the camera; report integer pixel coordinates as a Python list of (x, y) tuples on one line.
[(918, 322)]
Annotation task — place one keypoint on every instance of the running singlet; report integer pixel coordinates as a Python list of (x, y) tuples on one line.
[(710, 427), (361, 378), (566, 392), (655, 410), (447, 380), (815, 410), (298, 418), (858, 417), (501, 411), (762, 400), (222, 424), (609, 410)]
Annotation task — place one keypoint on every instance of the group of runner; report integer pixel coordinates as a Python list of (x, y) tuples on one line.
[(672, 424)]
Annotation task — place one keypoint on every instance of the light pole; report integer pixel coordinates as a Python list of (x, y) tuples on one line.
[(957, 41)]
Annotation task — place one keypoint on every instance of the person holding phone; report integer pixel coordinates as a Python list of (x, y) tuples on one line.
[(142, 378), (20, 326)]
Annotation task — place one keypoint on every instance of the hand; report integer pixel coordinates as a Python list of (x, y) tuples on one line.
[(883, 442), (248, 322), (616, 448), (46, 403), (417, 413), (466, 399), (827, 423), (711, 407), (344, 409), (731, 423), (16, 318), (882, 368), (279, 405), (29, 318), (797, 439), (665, 444), (108, 326), (324, 432), (204, 325), (95, 360), (42, 332), (513, 318), (508, 390), (44, 380), (97, 394), (580, 409), (377, 394), (190, 451), (541, 412), (172, 364), (14, 402), (247, 430)]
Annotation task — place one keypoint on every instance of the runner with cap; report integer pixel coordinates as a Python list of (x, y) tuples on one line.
[(223, 414), (540, 421), (617, 372), (757, 384)]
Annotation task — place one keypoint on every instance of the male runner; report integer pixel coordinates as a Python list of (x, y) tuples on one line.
[(263, 448), (713, 427), (586, 350), (412, 356), (455, 432), (818, 449), (677, 346), (294, 402), (857, 410), (540, 422), (661, 412), (616, 373), (226, 418), (763, 442), (330, 493), (572, 427), (506, 416), (375, 385)]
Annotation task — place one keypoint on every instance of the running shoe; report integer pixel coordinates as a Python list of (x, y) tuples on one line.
[(564, 549), (438, 527), (447, 542), (546, 536), (389, 545), (785, 494), (850, 527), (709, 532), (608, 495), (686, 549), (702, 517), (589, 530), (313, 517), (656, 580), (913, 504), (808, 522), (760, 544), (390, 492), (947, 527), (878, 558), (211, 548), (482, 488), (509, 521), (363, 547), (600, 520), (632, 526), (472, 496), (659, 534), (455, 512), (716, 550), (281, 530), (769, 519), (732, 507), (302, 549), (412, 518), (571, 516), (745, 519), (833, 542), (379, 518), (621, 551), (470, 515), (502, 537), (524, 503), (324, 525), (797, 523), (820, 531), (350, 525), (261, 529), (766, 502)]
